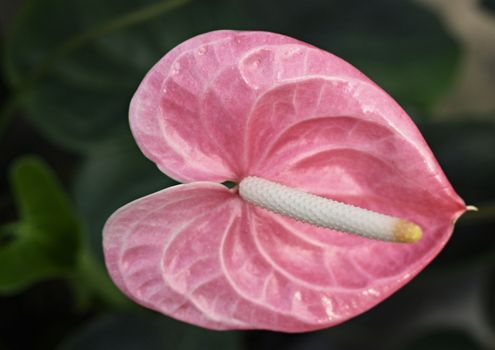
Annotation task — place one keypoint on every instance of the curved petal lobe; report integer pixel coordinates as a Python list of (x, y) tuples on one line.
[(190, 109), (165, 252), (190, 113), (136, 237)]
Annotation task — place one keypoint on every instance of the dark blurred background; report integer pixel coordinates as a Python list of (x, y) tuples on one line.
[(67, 160)]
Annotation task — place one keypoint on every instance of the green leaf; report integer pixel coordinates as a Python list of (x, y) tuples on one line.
[(77, 63), (46, 240), (110, 178), (24, 263), (147, 332), (45, 209)]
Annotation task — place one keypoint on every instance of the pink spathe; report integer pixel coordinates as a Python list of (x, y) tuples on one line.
[(226, 105)]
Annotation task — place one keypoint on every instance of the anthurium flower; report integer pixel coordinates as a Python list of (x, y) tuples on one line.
[(329, 172)]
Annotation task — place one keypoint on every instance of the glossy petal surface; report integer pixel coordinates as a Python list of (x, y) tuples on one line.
[(225, 105), (190, 113), (171, 251)]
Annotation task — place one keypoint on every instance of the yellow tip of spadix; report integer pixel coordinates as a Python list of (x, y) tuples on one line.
[(406, 232)]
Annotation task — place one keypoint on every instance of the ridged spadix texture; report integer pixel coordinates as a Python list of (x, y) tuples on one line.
[(324, 212), (224, 106)]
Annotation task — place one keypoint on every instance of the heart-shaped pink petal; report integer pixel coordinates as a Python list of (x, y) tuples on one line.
[(228, 105)]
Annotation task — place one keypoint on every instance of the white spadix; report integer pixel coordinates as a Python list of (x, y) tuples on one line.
[(327, 213)]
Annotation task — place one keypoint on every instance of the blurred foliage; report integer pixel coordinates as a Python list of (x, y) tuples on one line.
[(465, 148), (129, 332), (70, 61), (489, 294), (70, 68), (443, 339), (45, 242), (488, 5), (472, 93), (398, 44), (123, 175), (76, 77)]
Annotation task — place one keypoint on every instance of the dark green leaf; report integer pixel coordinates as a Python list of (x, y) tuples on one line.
[(45, 210), (147, 332), (46, 240), (77, 63), (23, 263)]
